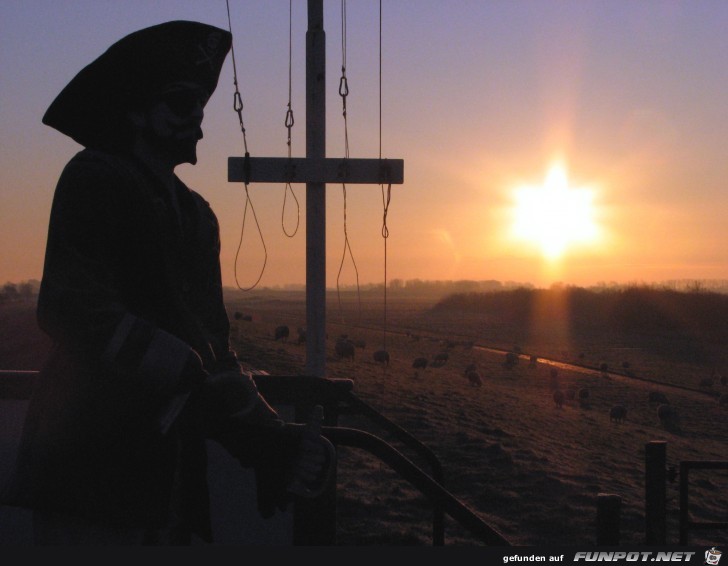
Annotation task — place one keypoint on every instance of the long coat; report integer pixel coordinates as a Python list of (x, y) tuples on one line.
[(131, 289)]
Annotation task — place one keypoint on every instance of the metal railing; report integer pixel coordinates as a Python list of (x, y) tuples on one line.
[(358, 407), (437, 494), (686, 524), (336, 396)]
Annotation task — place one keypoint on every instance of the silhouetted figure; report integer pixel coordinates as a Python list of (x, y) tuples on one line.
[(113, 449)]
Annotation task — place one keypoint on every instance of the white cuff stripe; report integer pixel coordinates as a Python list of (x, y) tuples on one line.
[(164, 360), (120, 335)]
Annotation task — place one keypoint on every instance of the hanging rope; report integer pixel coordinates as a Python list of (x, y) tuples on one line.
[(344, 93), (238, 108), (386, 193), (289, 126)]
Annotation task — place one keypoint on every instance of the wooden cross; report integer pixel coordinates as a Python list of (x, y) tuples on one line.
[(315, 170)]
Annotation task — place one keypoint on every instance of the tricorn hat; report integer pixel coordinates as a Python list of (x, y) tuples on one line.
[(91, 108)]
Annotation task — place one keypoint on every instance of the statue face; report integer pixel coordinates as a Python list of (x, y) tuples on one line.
[(172, 123)]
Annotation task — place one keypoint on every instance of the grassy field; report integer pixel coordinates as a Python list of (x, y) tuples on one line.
[(531, 469)]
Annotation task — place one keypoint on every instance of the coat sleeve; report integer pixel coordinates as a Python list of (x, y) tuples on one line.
[(213, 309), (82, 304)]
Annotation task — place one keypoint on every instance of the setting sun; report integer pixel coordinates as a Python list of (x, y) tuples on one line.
[(554, 216)]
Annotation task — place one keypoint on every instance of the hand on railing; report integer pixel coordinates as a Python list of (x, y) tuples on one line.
[(315, 461)]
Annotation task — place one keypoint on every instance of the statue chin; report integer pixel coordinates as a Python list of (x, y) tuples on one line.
[(183, 151)]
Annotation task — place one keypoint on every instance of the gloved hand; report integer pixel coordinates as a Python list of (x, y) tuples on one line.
[(231, 397), (297, 461), (315, 459)]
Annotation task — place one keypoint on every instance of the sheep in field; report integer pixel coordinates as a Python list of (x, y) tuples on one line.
[(658, 397), (617, 413), (420, 363), (440, 359), (474, 378), (668, 416), (382, 357), (511, 360), (281, 333), (344, 348)]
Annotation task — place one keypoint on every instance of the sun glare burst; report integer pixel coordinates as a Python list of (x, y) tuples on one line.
[(554, 216)]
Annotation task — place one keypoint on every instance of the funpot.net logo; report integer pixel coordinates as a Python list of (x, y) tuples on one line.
[(668, 556)]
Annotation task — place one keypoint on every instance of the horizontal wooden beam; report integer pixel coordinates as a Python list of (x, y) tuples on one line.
[(303, 170)]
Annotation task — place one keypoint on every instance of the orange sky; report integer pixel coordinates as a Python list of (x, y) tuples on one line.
[(479, 99)]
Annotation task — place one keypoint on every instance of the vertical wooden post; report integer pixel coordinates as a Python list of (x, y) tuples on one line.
[(655, 492), (315, 521), (315, 192), (609, 508)]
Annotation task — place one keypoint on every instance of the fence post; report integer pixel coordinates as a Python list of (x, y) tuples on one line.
[(608, 517), (655, 492)]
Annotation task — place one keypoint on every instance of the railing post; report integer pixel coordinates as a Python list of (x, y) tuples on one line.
[(609, 508), (314, 520), (655, 492), (686, 524)]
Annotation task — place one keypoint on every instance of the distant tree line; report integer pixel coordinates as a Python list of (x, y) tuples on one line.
[(16, 292), (455, 286), (686, 285), (429, 286), (689, 319), (419, 286)]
